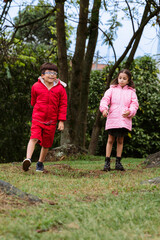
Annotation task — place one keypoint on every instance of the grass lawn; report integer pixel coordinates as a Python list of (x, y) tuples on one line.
[(81, 202)]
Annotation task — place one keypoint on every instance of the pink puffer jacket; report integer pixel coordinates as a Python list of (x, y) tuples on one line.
[(119, 99)]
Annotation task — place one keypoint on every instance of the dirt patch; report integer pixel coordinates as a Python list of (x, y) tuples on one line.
[(8, 202), (66, 170), (60, 170)]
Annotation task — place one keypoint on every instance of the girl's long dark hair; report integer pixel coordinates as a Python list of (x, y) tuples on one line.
[(126, 71)]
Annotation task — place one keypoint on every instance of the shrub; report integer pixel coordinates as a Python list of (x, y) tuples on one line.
[(145, 136)]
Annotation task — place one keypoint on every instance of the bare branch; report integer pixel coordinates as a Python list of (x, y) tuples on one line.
[(130, 15), (5, 12), (110, 43), (37, 20)]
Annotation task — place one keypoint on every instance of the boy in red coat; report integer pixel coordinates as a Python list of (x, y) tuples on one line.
[(49, 101)]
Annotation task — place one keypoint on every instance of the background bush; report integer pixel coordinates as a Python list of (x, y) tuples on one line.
[(18, 72), (145, 136), (21, 70)]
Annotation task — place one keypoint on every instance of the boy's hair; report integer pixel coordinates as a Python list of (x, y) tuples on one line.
[(126, 71), (48, 66)]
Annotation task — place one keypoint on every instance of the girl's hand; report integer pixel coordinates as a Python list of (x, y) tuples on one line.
[(61, 126), (105, 113), (126, 113)]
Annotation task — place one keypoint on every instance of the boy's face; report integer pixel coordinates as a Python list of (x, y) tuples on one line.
[(49, 76)]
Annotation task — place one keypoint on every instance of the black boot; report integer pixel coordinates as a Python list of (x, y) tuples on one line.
[(119, 166), (107, 164)]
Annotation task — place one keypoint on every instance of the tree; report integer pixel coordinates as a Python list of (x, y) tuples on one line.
[(88, 59), (77, 68), (81, 67), (62, 56)]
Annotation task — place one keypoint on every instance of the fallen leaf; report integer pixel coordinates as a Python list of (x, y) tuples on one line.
[(115, 193), (73, 225)]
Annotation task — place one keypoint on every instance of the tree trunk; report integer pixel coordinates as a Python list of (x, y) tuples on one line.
[(62, 57), (93, 34), (95, 133), (153, 160), (61, 41), (77, 67)]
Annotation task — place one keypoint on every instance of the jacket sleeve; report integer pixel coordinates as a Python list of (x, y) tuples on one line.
[(105, 101), (33, 96), (134, 105), (62, 111)]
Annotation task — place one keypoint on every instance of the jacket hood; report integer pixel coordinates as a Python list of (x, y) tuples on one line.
[(58, 81), (114, 86)]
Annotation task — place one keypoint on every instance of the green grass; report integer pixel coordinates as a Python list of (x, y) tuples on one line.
[(89, 203)]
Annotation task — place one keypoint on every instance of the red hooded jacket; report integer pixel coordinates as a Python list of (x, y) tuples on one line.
[(49, 106)]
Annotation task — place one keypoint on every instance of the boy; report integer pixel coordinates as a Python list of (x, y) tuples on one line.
[(49, 101)]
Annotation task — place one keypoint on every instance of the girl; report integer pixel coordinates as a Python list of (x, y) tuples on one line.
[(123, 102)]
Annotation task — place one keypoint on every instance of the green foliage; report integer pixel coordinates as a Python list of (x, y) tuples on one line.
[(15, 108), (19, 71), (43, 32), (39, 31), (146, 124), (145, 136)]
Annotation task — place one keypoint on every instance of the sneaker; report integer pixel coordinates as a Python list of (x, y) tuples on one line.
[(39, 167), (26, 164)]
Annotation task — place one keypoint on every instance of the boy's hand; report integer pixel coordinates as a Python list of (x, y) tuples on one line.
[(104, 113), (61, 126)]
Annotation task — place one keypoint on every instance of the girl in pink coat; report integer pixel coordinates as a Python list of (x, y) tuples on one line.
[(123, 104)]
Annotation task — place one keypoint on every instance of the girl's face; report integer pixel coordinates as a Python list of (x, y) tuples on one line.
[(123, 79)]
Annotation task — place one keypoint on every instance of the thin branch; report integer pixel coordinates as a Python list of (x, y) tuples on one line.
[(130, 15), (37, 20), (110, 42), (5, 12), (153, 3)]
